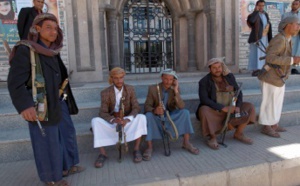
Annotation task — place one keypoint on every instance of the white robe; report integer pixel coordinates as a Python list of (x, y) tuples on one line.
[(271, 105), (105, 133)]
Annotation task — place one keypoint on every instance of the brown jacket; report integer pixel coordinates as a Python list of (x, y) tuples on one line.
[(279, 52), (108, 102), (152, 101)]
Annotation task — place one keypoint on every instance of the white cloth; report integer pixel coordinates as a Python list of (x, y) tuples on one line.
[(271, 105), (105, 133), (118, 94)]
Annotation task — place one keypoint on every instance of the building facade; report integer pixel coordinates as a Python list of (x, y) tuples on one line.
[(145, 36)]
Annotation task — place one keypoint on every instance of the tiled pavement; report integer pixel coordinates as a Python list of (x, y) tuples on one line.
[(238, 164)]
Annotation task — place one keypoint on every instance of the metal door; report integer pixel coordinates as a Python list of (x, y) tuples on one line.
[(148, 36)]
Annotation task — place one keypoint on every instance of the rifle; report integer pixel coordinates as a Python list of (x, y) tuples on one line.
[(6, 47), (165, 133), (120, 130), (223, 131)]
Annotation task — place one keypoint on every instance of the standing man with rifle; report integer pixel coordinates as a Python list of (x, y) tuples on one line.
[(276, 71), (167, 97), (216, 91), (38, 86), (118, 118), (260, 36)]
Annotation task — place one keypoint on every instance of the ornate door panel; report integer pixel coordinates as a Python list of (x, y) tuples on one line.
[(148, 38)]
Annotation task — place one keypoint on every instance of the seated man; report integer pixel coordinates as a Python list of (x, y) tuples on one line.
[(169, 91), (214, 88), (104, 127)]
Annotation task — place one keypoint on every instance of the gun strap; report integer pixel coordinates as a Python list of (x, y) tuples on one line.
[(37, 79)]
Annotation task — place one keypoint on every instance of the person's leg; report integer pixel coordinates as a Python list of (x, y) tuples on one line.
[(101, 158), (47, 152), (68, 139)]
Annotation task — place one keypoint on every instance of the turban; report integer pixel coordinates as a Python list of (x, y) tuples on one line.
[(212, 61), (286, 21), (115, 71), (169, 71), (34, 35)]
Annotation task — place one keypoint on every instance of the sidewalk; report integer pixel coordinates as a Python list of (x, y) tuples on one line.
[(269, 161)]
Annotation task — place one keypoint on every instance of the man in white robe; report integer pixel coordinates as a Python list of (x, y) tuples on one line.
[(115, 97)]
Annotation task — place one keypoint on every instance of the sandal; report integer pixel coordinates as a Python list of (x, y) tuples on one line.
[(137, 156), (189, 147), (213, 144), (270, 132), (58, 183), (73, 170), (280, 129), (147, 155), (100, 161), (243, 139)]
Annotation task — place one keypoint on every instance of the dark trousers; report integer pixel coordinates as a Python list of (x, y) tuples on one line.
[(58, 150)]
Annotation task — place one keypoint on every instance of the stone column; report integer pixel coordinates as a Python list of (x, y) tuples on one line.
[(191, 41), (210, 12), (176, 43), (103, 39), (112, 39)]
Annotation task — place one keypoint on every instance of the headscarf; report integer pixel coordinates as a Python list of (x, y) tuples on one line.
[(169, 71), (286, 21), (212, 61), (11, 13), (33, 38), (115, 71)]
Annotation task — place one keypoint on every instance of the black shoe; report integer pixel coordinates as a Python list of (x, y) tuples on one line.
[(255, 72), (295, 71)]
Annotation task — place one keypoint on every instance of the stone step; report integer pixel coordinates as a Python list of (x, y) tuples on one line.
[(15, 143), (188, 85), (268, 161), (9, 119)]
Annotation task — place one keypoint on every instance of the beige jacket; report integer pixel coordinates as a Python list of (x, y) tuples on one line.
[(279, 52), (152, 101)]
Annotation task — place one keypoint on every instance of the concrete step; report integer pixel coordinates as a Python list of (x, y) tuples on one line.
[(10, 119), (268, 162), (15, 143), (188, 85)]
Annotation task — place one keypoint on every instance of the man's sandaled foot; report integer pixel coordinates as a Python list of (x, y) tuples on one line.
[(58, 183), (280, 129), (213, 144), (270, 132), (242, 138), (137, 156), (147, 154), (73, 170), (190, 148), (100, 161)]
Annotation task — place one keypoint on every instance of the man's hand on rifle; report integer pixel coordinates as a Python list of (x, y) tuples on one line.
[(159, 110), (29, 114), (120, 121), (226, 109)]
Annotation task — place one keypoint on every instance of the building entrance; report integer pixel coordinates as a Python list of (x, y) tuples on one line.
[(148, 36)]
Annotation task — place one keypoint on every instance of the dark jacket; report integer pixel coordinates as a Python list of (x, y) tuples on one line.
[(254, 21), (208, 93), (25, 19), (54, 72)]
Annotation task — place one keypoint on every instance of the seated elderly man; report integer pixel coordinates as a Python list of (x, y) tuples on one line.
[(171, 100), (104, 127), (214, 88)]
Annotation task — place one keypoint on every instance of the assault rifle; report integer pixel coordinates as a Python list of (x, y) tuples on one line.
[(166, 135), (223, 131), (120, 130)]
